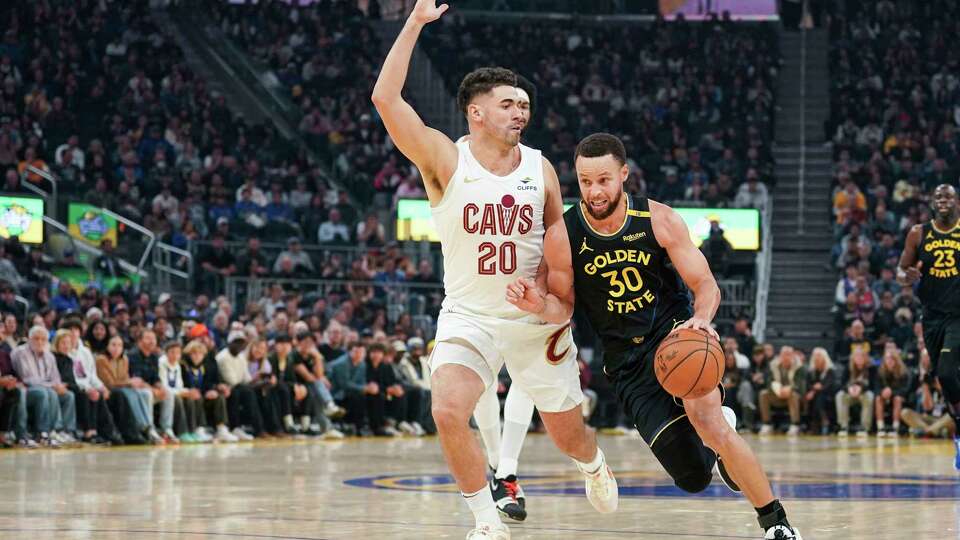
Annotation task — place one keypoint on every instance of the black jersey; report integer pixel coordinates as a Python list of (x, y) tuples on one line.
[(940, 285), (625, 282)]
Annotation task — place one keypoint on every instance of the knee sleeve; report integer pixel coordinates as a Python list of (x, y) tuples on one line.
[(685, 458), (518, 407)]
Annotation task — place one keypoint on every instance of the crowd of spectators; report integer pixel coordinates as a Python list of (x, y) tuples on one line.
[(694, 103), (892, 128)]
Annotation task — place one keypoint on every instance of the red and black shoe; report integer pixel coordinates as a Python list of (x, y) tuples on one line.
[(508, 496)]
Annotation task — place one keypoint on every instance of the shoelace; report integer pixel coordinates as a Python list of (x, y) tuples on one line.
[(597, 480), (511, 488)]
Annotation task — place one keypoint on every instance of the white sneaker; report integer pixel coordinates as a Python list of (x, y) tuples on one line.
[(203, 435), (420, 432), (601, 487), (154, 437), (766, 429), (333, 410), (242, 435), (843, 434), (862, 434), (793, 431), (780, 532), (406, 428), (332, 434), (225, 436), (494, 532)]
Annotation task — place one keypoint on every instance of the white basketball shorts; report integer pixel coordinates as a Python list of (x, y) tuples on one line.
[(541, 358)]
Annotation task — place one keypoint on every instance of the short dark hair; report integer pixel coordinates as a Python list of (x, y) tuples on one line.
[(602, 144), (377, 346), (527, 86), (482, 80)]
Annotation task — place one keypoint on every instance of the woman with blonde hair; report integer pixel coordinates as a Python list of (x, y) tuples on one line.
[(91, 403), (821, 389), (893, 383), (856, 389)]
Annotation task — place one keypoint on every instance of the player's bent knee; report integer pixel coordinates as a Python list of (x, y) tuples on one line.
[(693, 481)]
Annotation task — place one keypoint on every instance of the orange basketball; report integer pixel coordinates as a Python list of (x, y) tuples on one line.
[(689, 363)]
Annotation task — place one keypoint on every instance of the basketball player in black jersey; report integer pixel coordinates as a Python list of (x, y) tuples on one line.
[(929, 256), (628, 263)]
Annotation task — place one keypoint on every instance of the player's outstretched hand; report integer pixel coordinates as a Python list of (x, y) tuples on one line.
[(427, 11), (699, 324), (524, 294)]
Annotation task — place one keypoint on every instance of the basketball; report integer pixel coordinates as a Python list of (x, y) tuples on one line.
[(689, 363)]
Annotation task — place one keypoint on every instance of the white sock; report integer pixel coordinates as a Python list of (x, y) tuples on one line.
[(593, 466), (487, 416), (481, 504)]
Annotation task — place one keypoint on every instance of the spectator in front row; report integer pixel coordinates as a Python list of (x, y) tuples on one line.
[(200, 372), (188, 417), (91, 404), (310, 371), (243, 407), (293, 397), (132, 412), (856, 390), (892, 385), (144, 362), (821, 389), (273, 398), (37, 368), (786, 387), (931, 417)]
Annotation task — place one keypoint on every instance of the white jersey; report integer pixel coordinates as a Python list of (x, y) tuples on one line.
[(491, 232)]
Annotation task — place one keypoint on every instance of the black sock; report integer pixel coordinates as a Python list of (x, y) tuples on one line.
[(772, 515)]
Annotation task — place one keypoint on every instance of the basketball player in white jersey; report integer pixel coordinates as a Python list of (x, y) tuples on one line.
[(503, 447), (491, 200)]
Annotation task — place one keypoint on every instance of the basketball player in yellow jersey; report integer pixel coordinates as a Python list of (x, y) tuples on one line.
[(634, 302), (491, 199)]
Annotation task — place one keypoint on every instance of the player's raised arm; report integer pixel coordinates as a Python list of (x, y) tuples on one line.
[(672, 233), (908, 271), (555, 305), (430, 150)]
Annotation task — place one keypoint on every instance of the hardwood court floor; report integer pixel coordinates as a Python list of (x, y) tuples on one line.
[(876, 489)]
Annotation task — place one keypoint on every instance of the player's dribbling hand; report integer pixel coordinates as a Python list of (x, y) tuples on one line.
[(697, 323), (427, 11), (524, 294)]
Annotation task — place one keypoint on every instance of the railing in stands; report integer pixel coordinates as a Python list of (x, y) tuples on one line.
[(49, 196), (56, 248), (171, 262), (419, 300), (764, 267)]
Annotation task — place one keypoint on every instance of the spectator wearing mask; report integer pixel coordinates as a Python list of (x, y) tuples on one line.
[(200, 372), (785, 389), (821, 393), (243, 406), (36, 366), (860, 379)]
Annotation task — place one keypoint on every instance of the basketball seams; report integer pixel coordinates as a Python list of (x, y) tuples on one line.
[(678, 364), (676, 340)]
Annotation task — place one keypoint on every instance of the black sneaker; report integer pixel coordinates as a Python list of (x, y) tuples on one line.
[(504, 492), (725, 477)]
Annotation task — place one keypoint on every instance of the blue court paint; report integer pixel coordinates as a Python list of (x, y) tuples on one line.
[(640, 484)]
